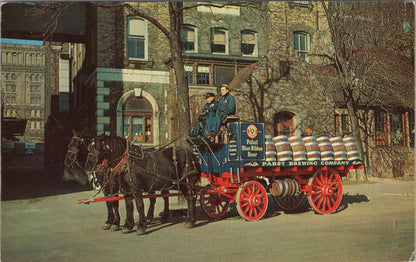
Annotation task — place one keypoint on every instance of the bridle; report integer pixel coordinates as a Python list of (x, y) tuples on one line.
[(73, 150)]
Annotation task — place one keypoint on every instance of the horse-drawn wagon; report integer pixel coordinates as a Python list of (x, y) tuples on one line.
[(248, 164), (243, 167)]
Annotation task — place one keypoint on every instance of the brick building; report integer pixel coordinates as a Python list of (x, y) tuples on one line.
[(37, 85), (132, 78), (123, 82), (133, 89)]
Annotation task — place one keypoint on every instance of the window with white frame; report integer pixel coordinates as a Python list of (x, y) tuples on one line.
[(248, 43), (189, 69), (137, 39), (219, 41), (189, 38), (202, 75), (301, 43)]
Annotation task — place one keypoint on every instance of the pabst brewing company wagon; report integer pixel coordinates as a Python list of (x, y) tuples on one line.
[(247, 164)]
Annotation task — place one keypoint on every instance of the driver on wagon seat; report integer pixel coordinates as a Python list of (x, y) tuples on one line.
[(226, 107)]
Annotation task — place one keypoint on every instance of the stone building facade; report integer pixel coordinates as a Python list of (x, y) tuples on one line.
[(130, 87), (24, 81), (132, 82), (37, 86)]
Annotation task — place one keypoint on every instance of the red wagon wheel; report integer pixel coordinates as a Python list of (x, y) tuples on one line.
[(289, 202), (213, 204), (326, 191), (252, 200)]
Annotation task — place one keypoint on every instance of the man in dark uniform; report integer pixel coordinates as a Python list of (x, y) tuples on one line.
[(205, 120), (226, 107)]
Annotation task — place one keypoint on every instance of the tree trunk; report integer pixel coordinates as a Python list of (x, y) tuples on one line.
[(355, 125), (184, 119)]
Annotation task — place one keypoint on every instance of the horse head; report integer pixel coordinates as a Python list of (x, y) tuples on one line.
[(96, 153), (74, 160)]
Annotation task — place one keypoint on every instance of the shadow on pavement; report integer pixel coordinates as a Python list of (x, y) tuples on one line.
[(351, 199), (30, 182)]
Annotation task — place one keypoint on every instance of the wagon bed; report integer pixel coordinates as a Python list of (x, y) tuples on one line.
[(238, 172)]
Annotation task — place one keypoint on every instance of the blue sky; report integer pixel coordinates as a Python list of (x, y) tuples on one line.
[(21, 41)]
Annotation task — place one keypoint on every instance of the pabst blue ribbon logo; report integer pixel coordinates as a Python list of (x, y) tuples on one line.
[(252, 131)]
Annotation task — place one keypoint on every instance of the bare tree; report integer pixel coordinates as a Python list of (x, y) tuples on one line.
[(171, 30), (372, 56)]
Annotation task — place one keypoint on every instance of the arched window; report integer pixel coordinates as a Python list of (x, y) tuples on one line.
[(137, 119), (283, 123), (8, 76)]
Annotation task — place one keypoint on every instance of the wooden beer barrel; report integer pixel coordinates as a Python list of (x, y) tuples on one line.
[(325, 146), (313, 151), (284, 156), (294, 139), (281, 138), (298, 148), (340, 151), (283, 148), (299, 155), (270, 151), (353, 153)]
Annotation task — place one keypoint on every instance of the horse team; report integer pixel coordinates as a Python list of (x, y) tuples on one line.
[(116, 166)]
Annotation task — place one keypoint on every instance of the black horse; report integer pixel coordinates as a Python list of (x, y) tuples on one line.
[(107, 161), (166, 168), (75, 158)]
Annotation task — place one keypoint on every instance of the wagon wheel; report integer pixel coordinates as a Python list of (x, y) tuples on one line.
[(289, 202), (326, 191), (252, 201), (213, 204)]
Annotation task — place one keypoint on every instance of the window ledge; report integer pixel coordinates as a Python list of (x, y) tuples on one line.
[(309, 6)]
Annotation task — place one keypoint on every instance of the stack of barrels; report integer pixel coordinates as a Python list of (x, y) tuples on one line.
[(296, 148)]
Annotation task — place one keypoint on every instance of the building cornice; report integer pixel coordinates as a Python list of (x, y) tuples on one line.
[(131, 75)]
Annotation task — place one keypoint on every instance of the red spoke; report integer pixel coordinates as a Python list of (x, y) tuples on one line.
[(257, 191), (320, 200), (318, 180), (254, 210), (332, 200)]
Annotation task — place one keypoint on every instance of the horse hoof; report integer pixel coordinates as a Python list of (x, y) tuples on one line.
[(141, 231), (115, 228), (126, 230), (106, 226), (164, 220), (189, 225)]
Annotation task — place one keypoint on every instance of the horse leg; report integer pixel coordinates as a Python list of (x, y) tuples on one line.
[(129, 223), (151, 210), (189, 193), (110, 216), (141, 227), (116, 222), (115, 206), (110, 213), (166, 212)]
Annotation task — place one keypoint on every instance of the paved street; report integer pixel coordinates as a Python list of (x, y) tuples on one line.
[(375, 223)]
